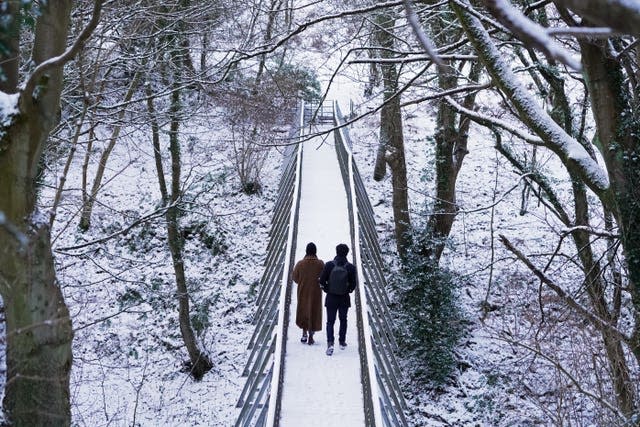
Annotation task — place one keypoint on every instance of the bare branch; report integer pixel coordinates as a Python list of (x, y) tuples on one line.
[(444, 94), (596, 321), (424, 40), (591, 230), (304, 26), (492, 122), (67, 55), (125, 230), (566, 372)]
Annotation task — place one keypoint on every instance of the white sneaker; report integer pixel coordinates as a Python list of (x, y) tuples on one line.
[(329, 350)]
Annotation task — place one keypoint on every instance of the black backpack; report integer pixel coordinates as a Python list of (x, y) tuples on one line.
[(339, 280)]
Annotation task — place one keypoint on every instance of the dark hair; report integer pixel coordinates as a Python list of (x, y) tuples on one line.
[(342, 249), (311, 248)]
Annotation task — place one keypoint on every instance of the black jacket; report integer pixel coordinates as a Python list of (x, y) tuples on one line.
[(352, 279)]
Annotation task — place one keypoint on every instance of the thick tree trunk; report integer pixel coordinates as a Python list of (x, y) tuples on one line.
[(618, 130), (391, 144), (39, 331)]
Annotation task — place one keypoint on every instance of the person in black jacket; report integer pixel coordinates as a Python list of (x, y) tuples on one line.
[(338, 303)]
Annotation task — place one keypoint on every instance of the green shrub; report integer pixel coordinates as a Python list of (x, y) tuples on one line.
[(431, 322), (200, 317), (215, 241), (294, 79)]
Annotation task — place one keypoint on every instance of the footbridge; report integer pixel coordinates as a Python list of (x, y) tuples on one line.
[(321, 199)]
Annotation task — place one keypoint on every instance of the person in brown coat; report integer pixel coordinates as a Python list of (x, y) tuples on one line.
[(309, 312)]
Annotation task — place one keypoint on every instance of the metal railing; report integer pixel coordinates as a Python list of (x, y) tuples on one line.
[(384, 401), (259, 399), (384, 404)]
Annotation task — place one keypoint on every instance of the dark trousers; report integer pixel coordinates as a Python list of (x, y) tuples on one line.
[(341, 311)]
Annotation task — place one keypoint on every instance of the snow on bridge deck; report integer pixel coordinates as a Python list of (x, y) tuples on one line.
[(321, 390)]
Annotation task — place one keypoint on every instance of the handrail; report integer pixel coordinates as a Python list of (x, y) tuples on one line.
[(260, 397), (260, 400), (370, 385), (273, 413), (387, 401)]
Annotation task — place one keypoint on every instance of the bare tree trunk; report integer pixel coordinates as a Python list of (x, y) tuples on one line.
[(451, 148), (391, 144), (87, 209), (199, 362), (620, 146), (39, 331), (274, 8)]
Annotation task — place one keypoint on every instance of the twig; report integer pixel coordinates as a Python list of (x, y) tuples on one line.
[(424, 40), (564, 371), (125, 230), (599, 323)]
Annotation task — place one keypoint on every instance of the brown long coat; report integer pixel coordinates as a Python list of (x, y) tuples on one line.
[(309, 312)]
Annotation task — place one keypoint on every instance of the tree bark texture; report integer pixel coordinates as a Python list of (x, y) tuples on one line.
[(618, 133), (451, 147), (391, 144), (39, 331)]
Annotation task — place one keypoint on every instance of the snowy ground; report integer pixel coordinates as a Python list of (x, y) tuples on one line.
[(128, 357)]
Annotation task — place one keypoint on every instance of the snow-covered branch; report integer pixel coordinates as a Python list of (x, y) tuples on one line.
[(582, 32), (66, 56), (570, 151), (492, 122), (529, 32), (621, 15), (417, 58)]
